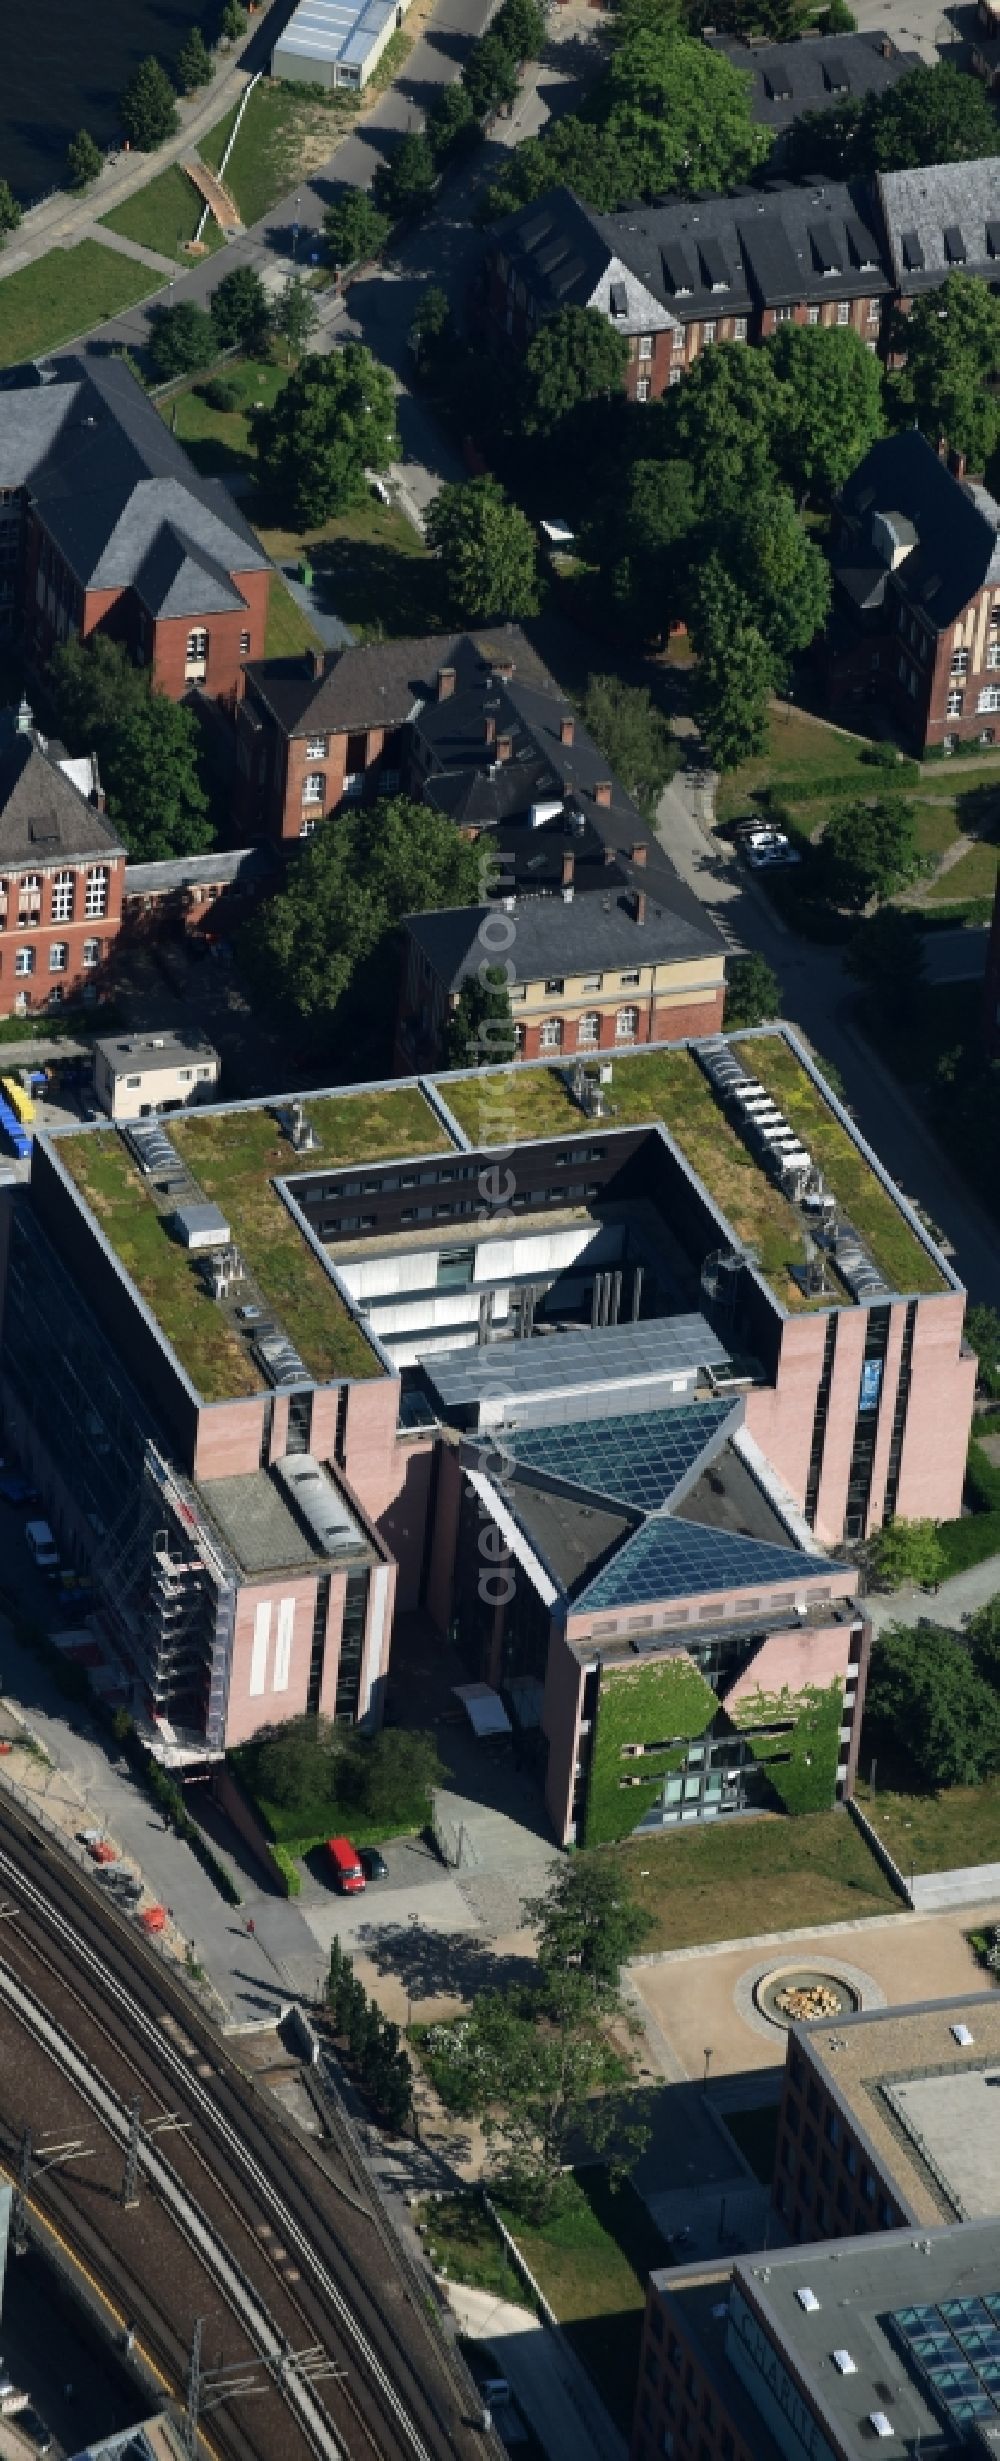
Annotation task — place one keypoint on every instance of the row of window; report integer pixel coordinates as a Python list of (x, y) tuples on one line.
[(196, 654), (987, 699), (26, 957), (62, 902), (555, 984), (588, 1030)]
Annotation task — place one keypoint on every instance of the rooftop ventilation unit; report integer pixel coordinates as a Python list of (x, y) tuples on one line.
[(807, 2300), (844, 2363), (880, 2425), (300, 1129), (962, 2036), (200, 1226), (318, 1502)]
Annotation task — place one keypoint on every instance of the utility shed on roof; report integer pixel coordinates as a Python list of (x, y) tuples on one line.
[(335, 42)]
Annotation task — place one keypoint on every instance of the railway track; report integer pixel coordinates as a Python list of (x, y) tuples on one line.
[(296, 2267)]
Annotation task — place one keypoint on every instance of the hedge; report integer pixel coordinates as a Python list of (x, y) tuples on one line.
[(805, 1781)]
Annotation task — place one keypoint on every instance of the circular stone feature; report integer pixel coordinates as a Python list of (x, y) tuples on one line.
[(802, 1995)]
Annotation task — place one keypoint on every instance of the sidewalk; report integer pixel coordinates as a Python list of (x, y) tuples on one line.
[(547, 2380)]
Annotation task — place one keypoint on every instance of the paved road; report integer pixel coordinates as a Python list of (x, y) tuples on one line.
[(819, 999), (955, 956), (545, 2376)]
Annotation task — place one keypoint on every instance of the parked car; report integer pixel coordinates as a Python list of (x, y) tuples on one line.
[(42, 1547), (767, 848), (347, 1873), (35, 2429), (16, 1489), (373, 1864)]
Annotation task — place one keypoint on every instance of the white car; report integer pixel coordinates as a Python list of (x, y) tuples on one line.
[(768, 847)]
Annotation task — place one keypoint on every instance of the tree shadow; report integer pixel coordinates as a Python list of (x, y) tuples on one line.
[(376, 589), (441, 1964), (978, 809)]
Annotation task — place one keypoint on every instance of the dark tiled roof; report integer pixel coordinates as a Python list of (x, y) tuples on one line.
[(903, 481), (380, 685), (107, 475), (42, 814), (177, 578), (242, 866), (551, 938), (816, 73), (943, 218), (718, 256)]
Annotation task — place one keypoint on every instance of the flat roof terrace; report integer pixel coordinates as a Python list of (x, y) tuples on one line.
[(915, 2087), (236, 1156), (667, 1085)]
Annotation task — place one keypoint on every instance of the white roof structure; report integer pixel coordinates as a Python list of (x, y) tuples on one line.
[(333, 32), (484, 1709)]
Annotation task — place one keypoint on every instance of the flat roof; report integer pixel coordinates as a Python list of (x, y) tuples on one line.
[(869, 2297), (580, 1366), (262, 1529), (241, 1156), (333, 29), (912, 2088), (127, 1053)]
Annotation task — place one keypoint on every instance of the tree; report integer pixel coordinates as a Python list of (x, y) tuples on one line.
[(982, 1329), (432, 325), (575, 356), (933, 114), (347, 894), (148, 748), (391, 1777), (736, 670), (292, 1766), (783, 575), (239, 309), (10, 211), (868, 850), (680, 113), (84, 159), (481, 1032), (929, 1708), (588, 1925), (753, 992), (952, 343), (451, 122), (543, 2087), (405, 184), (181, 338), (520, 25), (888, 956), (332, 421), (634, 734), (233, 21), (194, 61), (295, 316), (490, 76), (354, 228), (832, 408), (147, 107), (906, 1552), (724, 420), (643, 533), (487, 551), (982, 1633)]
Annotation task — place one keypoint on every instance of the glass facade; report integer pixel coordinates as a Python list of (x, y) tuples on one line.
[(67, 1381)]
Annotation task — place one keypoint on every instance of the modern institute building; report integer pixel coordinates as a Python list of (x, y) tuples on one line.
[(596, 1367)]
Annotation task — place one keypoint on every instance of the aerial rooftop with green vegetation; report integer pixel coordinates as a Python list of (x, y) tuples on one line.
[(236, 1157)]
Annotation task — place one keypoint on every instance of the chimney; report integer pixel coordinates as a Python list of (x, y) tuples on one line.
[(640, 853), (566, 730), (609, 856), (490, 730), (887, 48), (602, 793), (568, 869), (446, 683), (505, 746), (315, 665), (640, 907), (942, 448), (957, 463)]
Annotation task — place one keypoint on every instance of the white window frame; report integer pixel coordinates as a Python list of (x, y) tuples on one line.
[(63, 896), (95, 904), (307, 827), (313, 786), (843, 312), (642, 389), (959, 662), (626, 1025), (953, 706), (91, 953), (58, 956), (588, 1030), (645, 345), (739, 328), (630, 979), (550, 1034), (709, 331), (989, 698), (196, 656), (24, 961), (244, 645), (317, 748)]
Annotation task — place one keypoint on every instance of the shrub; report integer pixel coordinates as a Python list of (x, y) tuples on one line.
[(218, 394)]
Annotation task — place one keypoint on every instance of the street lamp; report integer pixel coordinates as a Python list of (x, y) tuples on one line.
[(708, 2063)]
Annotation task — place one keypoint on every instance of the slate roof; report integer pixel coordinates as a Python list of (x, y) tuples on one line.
[(381, 684), (109, 479), (176, 578), (954, 527), (553, 939), (242, 866), (708, 257), (42, 814), (815, 73), (942, 220)]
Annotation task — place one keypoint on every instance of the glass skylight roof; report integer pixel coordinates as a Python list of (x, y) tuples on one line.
[(956, 2348), (677, 1559), (638, 1460)]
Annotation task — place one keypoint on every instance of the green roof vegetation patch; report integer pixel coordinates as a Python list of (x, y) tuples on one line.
[(164, 1275), (507, 1106), (896, 1249), (663, 1707)]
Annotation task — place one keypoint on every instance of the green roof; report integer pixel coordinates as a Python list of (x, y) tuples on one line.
[(236, 1156)]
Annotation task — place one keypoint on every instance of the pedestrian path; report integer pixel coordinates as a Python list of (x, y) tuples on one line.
[(548, 2382), (125, 247)]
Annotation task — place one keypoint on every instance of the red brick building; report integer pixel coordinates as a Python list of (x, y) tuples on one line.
[(916, 623), (62, 869), (105, 526), (673, 278)]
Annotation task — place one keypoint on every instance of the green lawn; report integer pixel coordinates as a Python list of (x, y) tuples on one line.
[(461, 2241), (164, 1274), (502, 1106), (289, 630), (799, 751), (283, 134), (937, 1832), (974, 875), (591, 2261), (164, 215), (371, 566), (64, 294), (219, 441), (740, 1877)]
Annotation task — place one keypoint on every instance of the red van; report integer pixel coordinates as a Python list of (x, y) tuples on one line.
[(347, 1872)]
